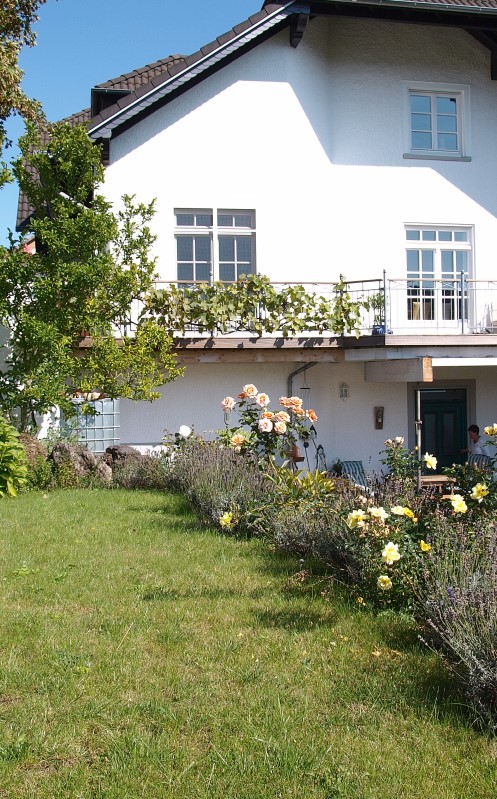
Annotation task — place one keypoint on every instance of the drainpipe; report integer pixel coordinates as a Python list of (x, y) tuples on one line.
[(289, 383)]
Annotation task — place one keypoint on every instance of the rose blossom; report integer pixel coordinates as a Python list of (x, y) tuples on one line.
[(282, 416), (228, 404), (265, 425), (237, 441), (280, 427), (262, 400), (250, 390), (311, 415)]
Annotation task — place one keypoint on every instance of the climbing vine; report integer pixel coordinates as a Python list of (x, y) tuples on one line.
[(253, 304)]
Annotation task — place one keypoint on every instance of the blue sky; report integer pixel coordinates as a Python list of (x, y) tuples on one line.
[(84, 42)]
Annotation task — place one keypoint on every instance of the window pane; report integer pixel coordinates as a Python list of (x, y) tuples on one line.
[(427, 260), (447, 141), (203, 272), (462, 261), (448, 261), (227, 272), (244, 248), (226, 248), (421, 141), (243, 220), (413, 260), (447, 124), (413, 235), (225, 220), (420, 122), (445, 235), (185, 248), (459, 235), (420, 103), (446, 105), (429, 235), (185, 271), (185, 219), (244, 269), (204, 220), (202, 248)]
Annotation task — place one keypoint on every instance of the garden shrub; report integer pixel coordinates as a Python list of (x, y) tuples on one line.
[(13, 460), (457, 599), (148, 472), (223, 485)]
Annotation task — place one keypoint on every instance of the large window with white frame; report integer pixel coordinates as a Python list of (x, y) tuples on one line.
[(438, 261), (437, 122), (214, 244)]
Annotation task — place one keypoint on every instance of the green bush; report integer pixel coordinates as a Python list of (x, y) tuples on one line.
[(147, 472), (457, 600), (224, 486), (13, 460)]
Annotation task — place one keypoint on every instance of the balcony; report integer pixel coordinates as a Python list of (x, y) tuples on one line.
[(394, 306)]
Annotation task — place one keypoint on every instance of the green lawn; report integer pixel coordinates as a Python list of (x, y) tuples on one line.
[(144, 656)]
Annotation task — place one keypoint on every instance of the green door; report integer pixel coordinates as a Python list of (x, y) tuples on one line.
[(443, 432)]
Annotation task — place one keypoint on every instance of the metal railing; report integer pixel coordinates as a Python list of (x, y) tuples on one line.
[(438, 306)]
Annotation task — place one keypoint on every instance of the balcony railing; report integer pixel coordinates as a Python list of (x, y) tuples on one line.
[(446, 306)]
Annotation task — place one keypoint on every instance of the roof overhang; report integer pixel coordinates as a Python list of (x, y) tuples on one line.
[(138, 102)]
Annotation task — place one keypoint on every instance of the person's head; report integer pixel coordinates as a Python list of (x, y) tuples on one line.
[(474, 432)]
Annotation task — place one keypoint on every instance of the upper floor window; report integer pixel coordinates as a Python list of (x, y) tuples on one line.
[(214, 244), (437, 121), (438, 264)]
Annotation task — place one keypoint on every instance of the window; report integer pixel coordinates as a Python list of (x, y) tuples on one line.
[(437, 121), (438, 264), (100, 431), (214, 244)]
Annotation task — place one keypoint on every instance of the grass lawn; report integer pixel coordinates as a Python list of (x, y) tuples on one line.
[(144, 656)]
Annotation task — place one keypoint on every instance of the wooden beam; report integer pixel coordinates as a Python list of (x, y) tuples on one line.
[(260, 356), (400, 370), (298, 23)]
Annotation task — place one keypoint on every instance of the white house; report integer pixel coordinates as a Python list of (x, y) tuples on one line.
[(353, 137)]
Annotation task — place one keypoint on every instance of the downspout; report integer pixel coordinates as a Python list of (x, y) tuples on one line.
[(289, 383)]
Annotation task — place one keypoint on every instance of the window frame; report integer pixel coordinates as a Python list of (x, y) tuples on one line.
[(444, 299), (462, 94), (216, 232)]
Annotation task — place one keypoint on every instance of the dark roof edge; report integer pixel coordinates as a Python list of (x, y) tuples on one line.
[(418, 4), (103, 124)]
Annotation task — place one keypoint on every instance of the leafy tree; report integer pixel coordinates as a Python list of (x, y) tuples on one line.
[(91, 266), (16, 20)]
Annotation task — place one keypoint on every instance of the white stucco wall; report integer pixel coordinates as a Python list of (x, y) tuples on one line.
[(312, 139)]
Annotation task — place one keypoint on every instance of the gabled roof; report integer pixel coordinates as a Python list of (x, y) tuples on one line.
[(120, 102)]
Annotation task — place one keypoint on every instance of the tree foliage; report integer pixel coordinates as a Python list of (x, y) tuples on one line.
[(92, 268), (17, 18)]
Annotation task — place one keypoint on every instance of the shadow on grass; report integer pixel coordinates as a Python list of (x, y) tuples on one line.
[(163, 593), (296, 621)]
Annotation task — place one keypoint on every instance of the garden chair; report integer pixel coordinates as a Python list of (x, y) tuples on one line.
[(480, 461), (354, 470)]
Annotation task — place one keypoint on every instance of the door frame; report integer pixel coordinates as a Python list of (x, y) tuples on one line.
[(468, 385)]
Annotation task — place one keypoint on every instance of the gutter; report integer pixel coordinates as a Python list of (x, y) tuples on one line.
[(420, 5)]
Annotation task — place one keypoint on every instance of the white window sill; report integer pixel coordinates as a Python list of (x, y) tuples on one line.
[(436, 157)]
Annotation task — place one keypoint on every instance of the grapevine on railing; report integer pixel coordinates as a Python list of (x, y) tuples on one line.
[(253, 304)]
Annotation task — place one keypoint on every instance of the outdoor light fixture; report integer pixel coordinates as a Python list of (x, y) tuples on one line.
[(344, 391), (379, 412)]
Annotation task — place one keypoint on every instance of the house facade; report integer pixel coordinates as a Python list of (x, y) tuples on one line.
[(316, 140)]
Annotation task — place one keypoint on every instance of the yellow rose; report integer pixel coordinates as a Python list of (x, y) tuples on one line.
[(384, 582), (390, 553), (430, 461), (357, 518), (226, 519), (424, 547), (458, 503), (479, 491)]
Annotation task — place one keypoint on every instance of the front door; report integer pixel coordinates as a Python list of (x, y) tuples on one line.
[(443, 432)]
